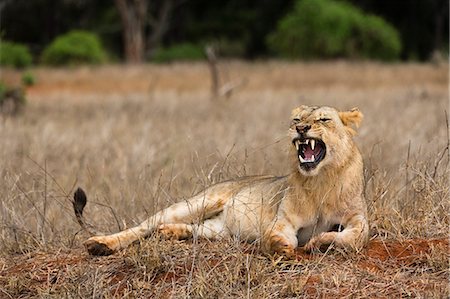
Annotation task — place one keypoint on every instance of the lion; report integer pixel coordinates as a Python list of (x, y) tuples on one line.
[(320, 203)]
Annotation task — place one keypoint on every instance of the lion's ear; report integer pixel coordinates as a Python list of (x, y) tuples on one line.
[(351, 118)]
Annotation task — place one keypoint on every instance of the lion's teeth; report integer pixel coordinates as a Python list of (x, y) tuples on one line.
[(313, 144), (313, 158), (297, 144), (301, 159), (307, 141)]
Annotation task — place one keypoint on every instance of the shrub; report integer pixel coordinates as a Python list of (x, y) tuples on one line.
[(331, 29), (184, 52), (378, 39), (15, 55), (28, 79), (74, 47)]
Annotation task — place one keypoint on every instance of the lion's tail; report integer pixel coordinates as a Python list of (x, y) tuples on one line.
[(79, 202)]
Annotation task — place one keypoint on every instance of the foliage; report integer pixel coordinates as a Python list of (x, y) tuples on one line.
[(330, 29), (180, 52), (423, 24), (74, 47), (14, 54), (28, 79)]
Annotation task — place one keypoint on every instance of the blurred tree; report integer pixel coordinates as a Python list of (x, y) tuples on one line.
[(133, 14), (37, 22), (318, 29), (237, 23), (423, 24), (244, 24), (136, 17)]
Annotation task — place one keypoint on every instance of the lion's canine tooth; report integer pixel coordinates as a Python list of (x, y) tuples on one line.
[(297, 144), (307, 141), (313, 158), (301, 159), (313, 144)]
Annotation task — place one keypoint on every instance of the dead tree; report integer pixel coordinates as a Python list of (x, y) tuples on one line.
[(217, 89), (212, 63), (159, 25), (143, 30)]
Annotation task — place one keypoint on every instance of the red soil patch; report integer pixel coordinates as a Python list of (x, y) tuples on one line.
[(405, 251), (400, 253), (381, 257)]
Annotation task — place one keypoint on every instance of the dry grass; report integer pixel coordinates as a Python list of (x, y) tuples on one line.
[(140, 138)]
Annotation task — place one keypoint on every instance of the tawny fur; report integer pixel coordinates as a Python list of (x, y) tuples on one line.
[(300, 209)]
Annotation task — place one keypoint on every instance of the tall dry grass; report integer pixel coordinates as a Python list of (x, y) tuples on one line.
[(140, 138)]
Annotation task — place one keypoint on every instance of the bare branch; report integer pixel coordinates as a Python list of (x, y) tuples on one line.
[(212, 63)]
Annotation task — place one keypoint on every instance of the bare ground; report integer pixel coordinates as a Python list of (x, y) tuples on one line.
[(140, 138)]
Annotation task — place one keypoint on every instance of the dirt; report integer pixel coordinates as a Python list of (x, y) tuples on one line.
[(43, 269)]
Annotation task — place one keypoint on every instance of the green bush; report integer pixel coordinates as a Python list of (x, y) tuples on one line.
[(28, 79), (183, 52), (331, 29), (74, 47), (15, 55)]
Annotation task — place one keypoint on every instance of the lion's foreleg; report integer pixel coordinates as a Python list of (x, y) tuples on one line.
[(281, 236), (353, 237)]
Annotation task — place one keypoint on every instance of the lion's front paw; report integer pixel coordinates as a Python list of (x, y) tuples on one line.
[(278, 244), (321, 242), (99, 246)]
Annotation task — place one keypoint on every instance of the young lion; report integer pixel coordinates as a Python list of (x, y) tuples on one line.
[(320, 203)]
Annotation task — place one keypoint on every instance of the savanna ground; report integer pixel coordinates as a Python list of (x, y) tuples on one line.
[(139, 138)]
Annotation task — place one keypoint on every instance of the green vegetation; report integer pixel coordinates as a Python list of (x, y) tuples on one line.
[(14, 55), (331, 29), (240, 29), (74, 47), (180, 52), (28, 79)]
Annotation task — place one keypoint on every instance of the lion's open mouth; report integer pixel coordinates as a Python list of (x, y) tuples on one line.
[(310, 152)]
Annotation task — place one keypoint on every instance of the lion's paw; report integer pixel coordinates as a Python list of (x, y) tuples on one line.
[(281, 246), (97, 246), (321, 242)]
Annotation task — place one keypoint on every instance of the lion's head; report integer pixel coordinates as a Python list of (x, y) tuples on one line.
[(322, 137)]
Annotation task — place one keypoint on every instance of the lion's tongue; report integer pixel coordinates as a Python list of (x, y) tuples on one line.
[(308, 152)]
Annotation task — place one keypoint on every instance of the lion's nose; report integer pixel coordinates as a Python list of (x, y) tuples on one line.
[(301, 129)]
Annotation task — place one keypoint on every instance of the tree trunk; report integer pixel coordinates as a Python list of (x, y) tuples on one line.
[(133, 14), (159, 26)]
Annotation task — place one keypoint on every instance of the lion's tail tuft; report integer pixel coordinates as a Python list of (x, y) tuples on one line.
[(79, 202)]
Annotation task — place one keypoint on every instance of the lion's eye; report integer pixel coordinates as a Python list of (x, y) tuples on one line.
[(295, 120), (324, 119)]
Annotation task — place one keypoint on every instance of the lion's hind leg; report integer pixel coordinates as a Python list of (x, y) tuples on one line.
[(180, 215), (210, 228), (175, 231)]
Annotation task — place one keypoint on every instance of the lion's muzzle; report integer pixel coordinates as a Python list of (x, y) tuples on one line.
[(310, 152)]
